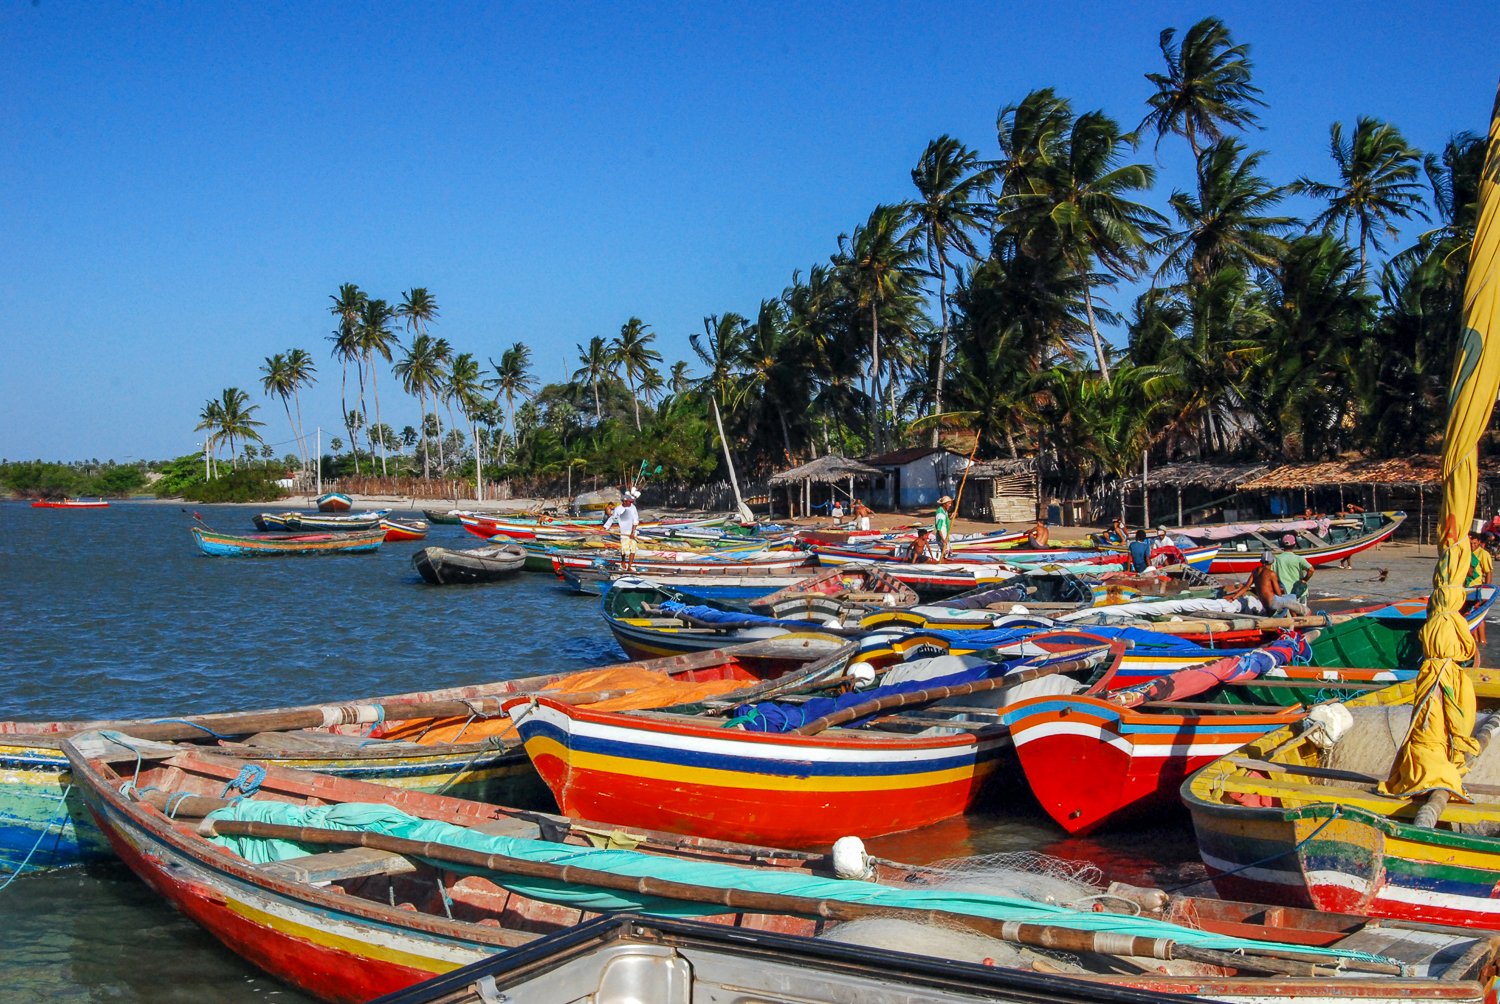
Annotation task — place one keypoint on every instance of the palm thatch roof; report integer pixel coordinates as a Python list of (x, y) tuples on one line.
[(1399, 472), (827, 470), (1002, 468), (1197, 475)]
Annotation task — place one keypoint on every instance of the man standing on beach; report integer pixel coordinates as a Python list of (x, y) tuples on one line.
[(629, 519), (941, 526), (1292, 570), (862, 513)]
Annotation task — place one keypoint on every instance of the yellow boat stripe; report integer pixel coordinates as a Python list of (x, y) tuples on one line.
[(353, 946)]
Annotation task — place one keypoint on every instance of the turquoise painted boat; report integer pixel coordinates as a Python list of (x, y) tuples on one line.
[(221, 545)]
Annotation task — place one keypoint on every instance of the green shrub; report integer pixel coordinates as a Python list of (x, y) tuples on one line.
[(249, 485)]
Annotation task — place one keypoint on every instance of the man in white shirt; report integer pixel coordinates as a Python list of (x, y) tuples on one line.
[(629, 519)]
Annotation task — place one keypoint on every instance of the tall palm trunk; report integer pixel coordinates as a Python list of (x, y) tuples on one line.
[(1088, 307), (375, 389), (364, 413), (510, 400), (478, 462), (635, 401), (426, 447), (942, 359), (287, 407), (875, 436), (598, 413), (344, 403)]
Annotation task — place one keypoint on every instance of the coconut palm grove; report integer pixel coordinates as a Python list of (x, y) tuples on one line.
[(1035, 288)]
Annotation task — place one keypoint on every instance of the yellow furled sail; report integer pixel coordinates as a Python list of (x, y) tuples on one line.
[(1435, 752)]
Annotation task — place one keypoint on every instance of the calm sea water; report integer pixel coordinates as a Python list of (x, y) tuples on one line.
[(115, 613)]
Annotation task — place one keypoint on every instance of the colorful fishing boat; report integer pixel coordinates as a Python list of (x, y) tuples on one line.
[(1100, 760), (216, 544), (334, 502), (595, 580), (403, 529), (444, 566), (347, 891), (1320, 542), (43, 823), (690, 774), (67, 503), (1275, 822)]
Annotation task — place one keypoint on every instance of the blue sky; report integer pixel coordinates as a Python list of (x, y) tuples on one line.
[(182, 186)]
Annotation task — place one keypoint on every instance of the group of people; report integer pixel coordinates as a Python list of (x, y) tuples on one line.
[(857, 509)]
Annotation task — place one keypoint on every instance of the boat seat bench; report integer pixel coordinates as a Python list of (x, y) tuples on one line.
[(332, 866)]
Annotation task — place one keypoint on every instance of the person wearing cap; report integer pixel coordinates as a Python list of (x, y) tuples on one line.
[(1261, 593), (1481, 571), (629, 521), (1292, 569), (941, 526)]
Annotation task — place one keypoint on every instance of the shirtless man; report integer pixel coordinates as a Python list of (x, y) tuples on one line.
[(1039, 535)]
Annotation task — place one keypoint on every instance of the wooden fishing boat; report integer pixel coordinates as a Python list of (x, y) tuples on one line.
[(334, 502), (43, 824), (595, 580), (335, 521), (403, 529), (70, 504), (217, 544), (446, 517), (444, 566), (1387, 636), (637, 957), (347, 890), (834, 591), (1242, 544), (641, 564), (1273, 822), (1099, 760), (271, 521), (803, 788)]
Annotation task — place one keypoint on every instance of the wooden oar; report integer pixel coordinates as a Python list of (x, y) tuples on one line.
[(927, 696), (1287, 962)]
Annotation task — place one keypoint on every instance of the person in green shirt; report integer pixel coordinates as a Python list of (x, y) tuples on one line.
[(1292, 569), (941, 526)]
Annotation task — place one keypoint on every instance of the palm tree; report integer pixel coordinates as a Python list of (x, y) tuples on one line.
[(677, 378), (236, 421), (376, 339), (417, 309), (276, 380), (1206, 87), (1378, 182), (953, 190), (511, 378), (595, 368), (420, 371), (721, 348), (876, 261), (467, 389), (1225, 224), (1078, 198), (631, 351), (347, 304), (301, 370), (211, 421)]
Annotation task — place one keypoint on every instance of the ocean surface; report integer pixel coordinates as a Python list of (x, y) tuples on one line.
[(115, 613)]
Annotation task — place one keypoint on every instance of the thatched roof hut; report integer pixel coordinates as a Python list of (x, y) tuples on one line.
[(830, 469), (1215, 477)]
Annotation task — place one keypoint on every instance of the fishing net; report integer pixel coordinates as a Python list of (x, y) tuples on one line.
[(1030, 875)]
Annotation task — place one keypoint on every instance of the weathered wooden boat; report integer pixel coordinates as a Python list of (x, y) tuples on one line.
[(271, 521), (1096, 760), (334, 502), (813, 783), (1387, 636), (445, 517), (594, 580), (70, 504), (43, 824), (403, 529), (444, 566), (544, 527), (722, 562), (1197, 558), (1242, 544), (303, 521), (667, 961), (1275, 822), (347, 890), (834, 592), (217, 544)]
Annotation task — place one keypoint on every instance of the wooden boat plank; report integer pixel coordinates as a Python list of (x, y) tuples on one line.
[(1243, 709), (1333, 774), (333, 866)]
